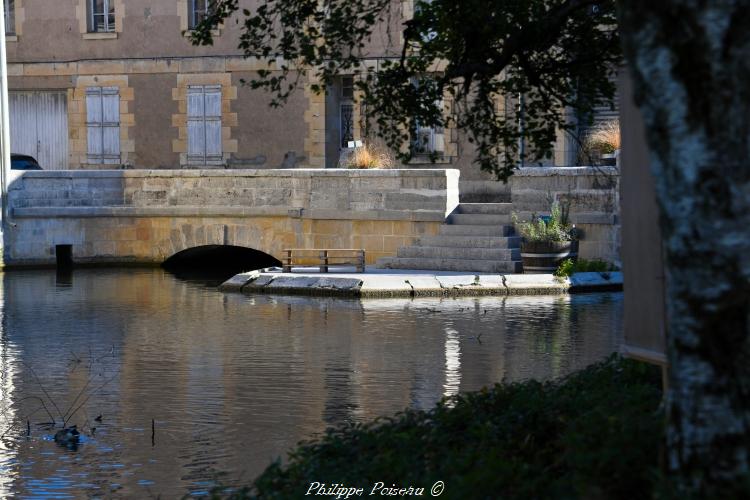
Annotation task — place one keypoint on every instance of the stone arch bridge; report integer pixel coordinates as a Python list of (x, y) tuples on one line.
[(147, 216)]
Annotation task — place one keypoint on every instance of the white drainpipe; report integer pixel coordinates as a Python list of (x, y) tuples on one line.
[(4, 122)]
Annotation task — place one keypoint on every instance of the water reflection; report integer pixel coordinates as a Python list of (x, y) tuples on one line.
[(233, 381), (452, 363), (9, 424)]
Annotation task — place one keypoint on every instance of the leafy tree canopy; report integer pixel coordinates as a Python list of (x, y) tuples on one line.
[(557, 54)]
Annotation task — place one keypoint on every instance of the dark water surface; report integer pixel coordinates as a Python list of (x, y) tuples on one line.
[(232, 381)]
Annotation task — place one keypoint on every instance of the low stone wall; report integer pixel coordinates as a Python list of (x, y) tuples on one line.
[(593, 194), (333, 191), (146, 216)]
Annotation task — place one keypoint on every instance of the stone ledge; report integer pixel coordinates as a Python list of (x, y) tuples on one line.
[(235, 283), (202, 211), (564, 171), (581, 282), (298, 173), (397, 215), (578, 217), (365, 285)]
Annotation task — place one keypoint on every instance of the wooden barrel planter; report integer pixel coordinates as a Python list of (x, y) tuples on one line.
[(545, 257)]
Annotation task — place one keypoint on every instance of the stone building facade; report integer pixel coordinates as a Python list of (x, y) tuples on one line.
[(117, 82)]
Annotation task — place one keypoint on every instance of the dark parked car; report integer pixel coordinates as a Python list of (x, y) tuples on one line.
[(23, 162)]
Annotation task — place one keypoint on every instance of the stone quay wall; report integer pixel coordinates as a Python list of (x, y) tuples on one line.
[(146, 216), (593, 195)]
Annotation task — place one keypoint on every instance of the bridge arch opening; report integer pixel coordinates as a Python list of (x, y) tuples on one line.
[(217, 261)]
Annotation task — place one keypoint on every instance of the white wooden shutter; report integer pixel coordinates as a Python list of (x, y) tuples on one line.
[(213, 124), (196, 126), (103, 124), (94, 123), (204, 125), (110, 125)]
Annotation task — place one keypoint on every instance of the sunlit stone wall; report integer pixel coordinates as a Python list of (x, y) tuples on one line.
[(145, 216), (592, 195)]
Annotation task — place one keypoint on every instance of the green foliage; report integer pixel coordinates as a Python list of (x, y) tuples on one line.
[(557, 54), (595, 434), (554, 228), (569, 267), (566, 268)]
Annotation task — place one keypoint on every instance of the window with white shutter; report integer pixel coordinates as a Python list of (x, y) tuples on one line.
[(204, 125), (103, 124)]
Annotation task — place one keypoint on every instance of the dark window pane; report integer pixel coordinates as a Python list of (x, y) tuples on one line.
[(10, 17), (347, 124), (347, 87)]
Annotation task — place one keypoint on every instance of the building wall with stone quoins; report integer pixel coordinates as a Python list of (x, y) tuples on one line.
[(146, 53)]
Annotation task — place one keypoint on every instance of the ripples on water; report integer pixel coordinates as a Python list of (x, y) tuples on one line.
[(233, 381)]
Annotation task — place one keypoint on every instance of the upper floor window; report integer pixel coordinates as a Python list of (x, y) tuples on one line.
[(198, 10), (10, 17), (101, 16)]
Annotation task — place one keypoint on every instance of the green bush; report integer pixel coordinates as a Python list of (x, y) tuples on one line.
[(554, 228), (595, 434), (569, 267)]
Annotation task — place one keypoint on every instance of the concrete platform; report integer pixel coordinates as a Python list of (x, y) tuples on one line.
[(415, 283)]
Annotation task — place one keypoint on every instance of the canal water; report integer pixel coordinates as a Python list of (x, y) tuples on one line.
[(232, 382)]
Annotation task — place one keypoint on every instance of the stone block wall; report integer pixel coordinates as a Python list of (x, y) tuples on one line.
[(142, 216), (593, 194)]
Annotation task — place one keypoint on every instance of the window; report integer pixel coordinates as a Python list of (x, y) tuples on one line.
[(101, 16), (204, 125), (198, 10), (420, 7), (346, 111), (103, 124), (428, 140), (10, 17)]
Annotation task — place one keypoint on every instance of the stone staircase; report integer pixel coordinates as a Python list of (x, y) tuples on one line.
[(477, 237)]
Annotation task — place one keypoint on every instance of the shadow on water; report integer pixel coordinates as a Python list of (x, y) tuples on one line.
[(214, 264)]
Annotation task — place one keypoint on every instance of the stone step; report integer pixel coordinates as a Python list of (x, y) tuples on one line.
[(485, 208), (469, 241), (479, 219), (460, 253), (478, 230), (460, 265)]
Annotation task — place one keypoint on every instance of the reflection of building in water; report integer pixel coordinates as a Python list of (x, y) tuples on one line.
[(234, 381), (8, 469), (452, 363)]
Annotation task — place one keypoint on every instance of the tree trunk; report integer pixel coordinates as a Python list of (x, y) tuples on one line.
[(690, 62)]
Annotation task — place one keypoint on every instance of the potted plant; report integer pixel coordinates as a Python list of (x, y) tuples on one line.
[(547, 240), (603, 143)]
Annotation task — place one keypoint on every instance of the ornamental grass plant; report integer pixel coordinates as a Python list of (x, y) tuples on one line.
[(370, 155), (605, 138), (554, 228)]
